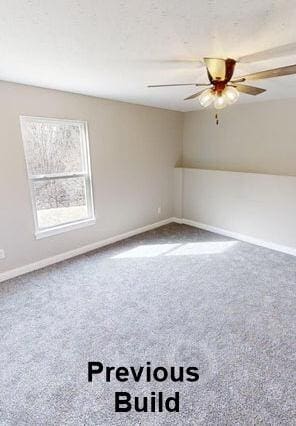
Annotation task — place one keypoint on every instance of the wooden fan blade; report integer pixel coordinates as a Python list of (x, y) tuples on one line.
[(195, 95), (238, 80), (175, 85), (276, 72), (249, 90), (275, 52)]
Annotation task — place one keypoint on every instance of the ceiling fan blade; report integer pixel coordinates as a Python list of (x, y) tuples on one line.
[(195, 95), (175, 85), (274, 52), (249, 90), (238, 80), (276, 72)]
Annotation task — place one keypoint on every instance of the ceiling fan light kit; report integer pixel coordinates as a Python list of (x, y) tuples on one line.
[(228, 96)]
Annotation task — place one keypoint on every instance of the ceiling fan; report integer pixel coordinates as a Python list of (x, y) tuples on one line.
[(222, 89)]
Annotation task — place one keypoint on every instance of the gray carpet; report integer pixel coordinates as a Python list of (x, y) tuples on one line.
[(173, 296)]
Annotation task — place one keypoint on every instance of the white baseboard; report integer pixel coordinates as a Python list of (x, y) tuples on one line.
[(177, 220), (241, 237), (81, 250)]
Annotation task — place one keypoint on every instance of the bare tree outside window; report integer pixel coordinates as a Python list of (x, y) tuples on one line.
[(58, 169)]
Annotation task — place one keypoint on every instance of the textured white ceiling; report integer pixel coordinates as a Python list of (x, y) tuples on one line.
[(114, 48)]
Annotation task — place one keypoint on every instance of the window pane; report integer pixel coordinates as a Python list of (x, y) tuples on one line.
[(55, 150), (52, 146), (60, 201)]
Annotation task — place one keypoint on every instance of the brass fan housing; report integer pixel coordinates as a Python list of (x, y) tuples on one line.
[(220, 72)]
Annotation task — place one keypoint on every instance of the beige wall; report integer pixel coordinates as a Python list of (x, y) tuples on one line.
[(258, 137), (133, 153)]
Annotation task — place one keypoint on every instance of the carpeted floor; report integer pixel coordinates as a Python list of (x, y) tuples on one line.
[(175, 296)]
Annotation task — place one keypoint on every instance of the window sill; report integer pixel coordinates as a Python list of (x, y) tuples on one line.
[(64, 228)]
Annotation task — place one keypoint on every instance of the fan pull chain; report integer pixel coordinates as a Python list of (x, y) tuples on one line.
[(217, 119)]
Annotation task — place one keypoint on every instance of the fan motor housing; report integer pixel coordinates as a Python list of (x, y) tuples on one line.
[(220, 70)]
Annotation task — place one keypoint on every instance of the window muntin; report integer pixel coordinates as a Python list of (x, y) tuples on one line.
[(58, 164)]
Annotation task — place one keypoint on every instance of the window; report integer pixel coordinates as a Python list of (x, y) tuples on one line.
[(58, 165)]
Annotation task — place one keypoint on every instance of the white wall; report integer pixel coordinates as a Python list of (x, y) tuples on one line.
[(133, 153)]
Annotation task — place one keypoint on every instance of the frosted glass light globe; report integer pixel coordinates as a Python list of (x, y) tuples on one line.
[(206, 97), (231, 94), (220, 101)]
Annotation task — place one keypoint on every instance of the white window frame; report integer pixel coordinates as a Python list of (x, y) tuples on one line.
[(86, 173)]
